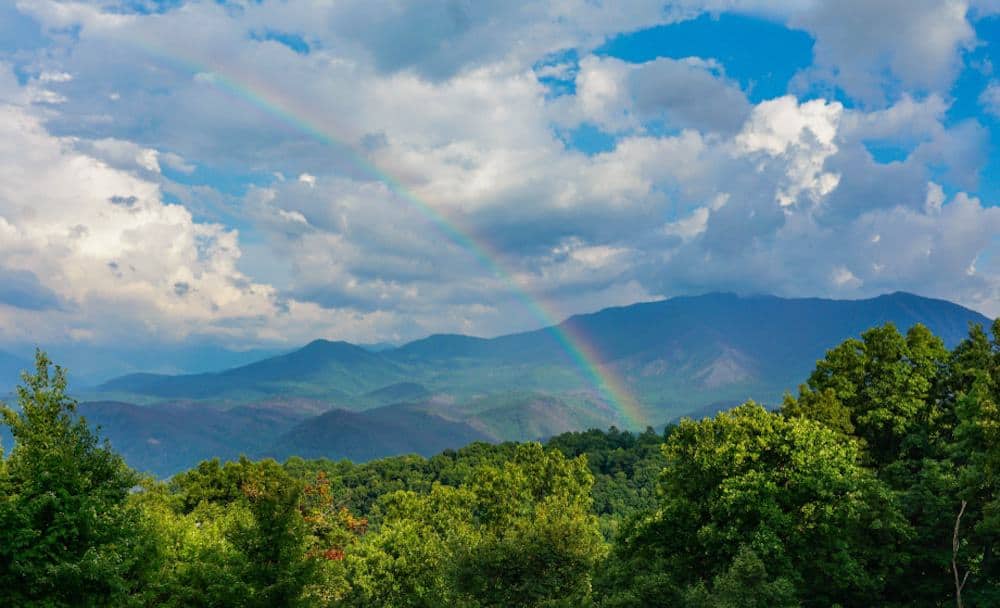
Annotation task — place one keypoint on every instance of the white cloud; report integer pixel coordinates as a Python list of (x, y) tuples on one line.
[(125, 154), (907, 121), (803, 135), (96, 235), (123, 264), (54, 77), (689, 227), (175, 162), (686, 93), (842, 277), (935, 198), (918, 43), (700, 190), (990, 99)]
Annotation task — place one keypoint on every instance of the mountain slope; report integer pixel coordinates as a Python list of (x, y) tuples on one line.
[(683, 356), (384, 431), (395, 393), (674, 356), (683, 353), (171, 437), (322, 368)]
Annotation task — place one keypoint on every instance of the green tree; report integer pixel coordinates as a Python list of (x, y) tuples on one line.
[(515, 534), (538, 541), (745, 584), (195, 564), (272, 537), (974, 384), (68, 534), (408, 562), (789, 490), (880, 389), (819, 405), (209, 482), (924, 416), (265, 540)]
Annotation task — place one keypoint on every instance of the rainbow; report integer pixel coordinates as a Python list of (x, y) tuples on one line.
[(607, 382)]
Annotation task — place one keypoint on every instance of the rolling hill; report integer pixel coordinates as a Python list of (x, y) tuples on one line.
[(169, 437), (361, 436)]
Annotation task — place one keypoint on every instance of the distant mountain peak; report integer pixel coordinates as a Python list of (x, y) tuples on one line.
[(672, 348), (681, 356), (334, 349), (324, 344)]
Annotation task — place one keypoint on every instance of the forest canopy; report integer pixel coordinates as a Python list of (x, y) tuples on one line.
[(875, 484)]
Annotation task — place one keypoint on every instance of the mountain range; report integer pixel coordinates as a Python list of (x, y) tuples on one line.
[(676, 357)]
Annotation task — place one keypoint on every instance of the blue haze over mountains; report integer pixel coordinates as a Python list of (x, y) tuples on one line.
[(682, 356)]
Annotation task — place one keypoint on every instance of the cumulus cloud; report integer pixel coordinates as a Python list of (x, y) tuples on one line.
[(990, 99), (689, 93), (123, 154), (431, 182), (99, 235), (801, 134), (917, 43), (97, 251)]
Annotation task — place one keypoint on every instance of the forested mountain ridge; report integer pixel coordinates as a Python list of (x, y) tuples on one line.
[(876, 483), (687, 355), (675, 355), (338, 369), (168, 437)]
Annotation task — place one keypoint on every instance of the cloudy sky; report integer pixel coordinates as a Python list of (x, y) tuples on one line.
[(261, 173)]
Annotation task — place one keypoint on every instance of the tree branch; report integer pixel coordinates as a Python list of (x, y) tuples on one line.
[(959, 584)]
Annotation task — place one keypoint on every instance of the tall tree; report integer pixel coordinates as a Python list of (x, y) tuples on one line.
[(880, 389), (975, 385), (537, 540), (68, 535), (789, 492), (517, 534), (273, 539), (924, 416)]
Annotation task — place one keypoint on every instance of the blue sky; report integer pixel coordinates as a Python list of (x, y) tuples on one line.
[(258, 174), (759, 53)]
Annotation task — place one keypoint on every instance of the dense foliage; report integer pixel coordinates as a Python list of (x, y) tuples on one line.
[(878, 483)]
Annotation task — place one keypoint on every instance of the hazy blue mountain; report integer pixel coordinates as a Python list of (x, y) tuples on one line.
[(445, 346), (171, 437), (167, 437), (90, 365), (747, 322), (396, 393), (377, 347), (332, 370), (675, 356), (383, 431), (682, 356), (535, 415)]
